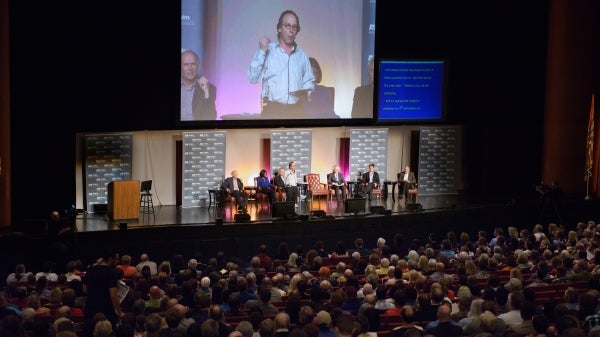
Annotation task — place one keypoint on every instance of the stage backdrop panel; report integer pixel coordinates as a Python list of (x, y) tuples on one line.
[(203, 165), (291, 145), (107, 157), (368, 146), (439, 149)]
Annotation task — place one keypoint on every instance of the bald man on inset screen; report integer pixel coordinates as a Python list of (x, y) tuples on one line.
[(197, 94)]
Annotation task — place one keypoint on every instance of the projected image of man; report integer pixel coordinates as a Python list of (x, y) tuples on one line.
[(197, 94), (284, 70)]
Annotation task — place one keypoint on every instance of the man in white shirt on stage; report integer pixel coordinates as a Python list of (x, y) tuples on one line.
[(291, 184)]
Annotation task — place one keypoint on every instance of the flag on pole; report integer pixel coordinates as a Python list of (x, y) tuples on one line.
[(589, 157)]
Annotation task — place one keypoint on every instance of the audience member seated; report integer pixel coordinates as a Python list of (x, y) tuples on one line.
[(128, 270), (145, 261), (19, 276), (443, 326), (477, 311)]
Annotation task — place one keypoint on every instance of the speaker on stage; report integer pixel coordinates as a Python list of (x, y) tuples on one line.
[(414, 207)]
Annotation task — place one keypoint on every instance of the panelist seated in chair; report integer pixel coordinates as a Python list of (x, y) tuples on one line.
[(369, 181), (264, 185), (234, 187), (279, 181), (336, 181), (407, 181)]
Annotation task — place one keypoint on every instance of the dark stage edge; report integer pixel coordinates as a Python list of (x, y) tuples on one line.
[(178, 230)]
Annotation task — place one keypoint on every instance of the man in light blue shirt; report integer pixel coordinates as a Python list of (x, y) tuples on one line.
[(284, 69), (291, 182)]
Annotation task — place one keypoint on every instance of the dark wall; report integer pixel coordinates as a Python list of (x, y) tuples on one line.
[(90, 66)]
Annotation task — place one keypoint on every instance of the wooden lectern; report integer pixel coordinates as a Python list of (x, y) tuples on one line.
[(123, 198)]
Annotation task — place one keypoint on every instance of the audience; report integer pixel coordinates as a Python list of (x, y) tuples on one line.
[(456, 288)]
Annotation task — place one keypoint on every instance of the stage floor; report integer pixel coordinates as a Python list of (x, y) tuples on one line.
[(202, 231), (259, 211)]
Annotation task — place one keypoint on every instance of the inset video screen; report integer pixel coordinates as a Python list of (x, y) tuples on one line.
[(265, 60)]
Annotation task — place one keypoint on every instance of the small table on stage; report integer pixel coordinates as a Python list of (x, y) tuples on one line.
[(250, 192), (302, 186), (217, 195), (387, 183), (352, 188)]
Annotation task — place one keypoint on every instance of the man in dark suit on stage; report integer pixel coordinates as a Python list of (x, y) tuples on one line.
[(407, 181), (279, 180), (336, 181), (234, 187), (370, 180)]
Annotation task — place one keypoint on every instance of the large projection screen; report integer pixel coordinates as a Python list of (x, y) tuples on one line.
[(225, 34)]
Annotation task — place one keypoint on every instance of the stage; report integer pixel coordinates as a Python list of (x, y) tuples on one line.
[(260, 211), (201, 232)]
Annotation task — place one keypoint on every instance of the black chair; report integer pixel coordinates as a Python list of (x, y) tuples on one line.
[(146, 204)]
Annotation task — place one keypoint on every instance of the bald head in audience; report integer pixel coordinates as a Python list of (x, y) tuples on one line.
[(154, 292), (367, 289), (443, 313), (282, 321), (64, 311), (370, 299)]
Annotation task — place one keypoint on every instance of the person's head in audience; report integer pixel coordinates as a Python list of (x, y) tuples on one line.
[(306, 314), (210, 328), (311, 330), (298, 333), (153, 325), (565, 322), (245, 327), (527, 311), (216, 312), (344, 326), (173, 317), (323, 320), (410, 294), (588, 302), (63, 324), (103, 328), (266, 328), (146, 272), (574, 332), (476, 308), (194, 329), (64, 311), (488, 322), (282, 321), (437, 295)]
